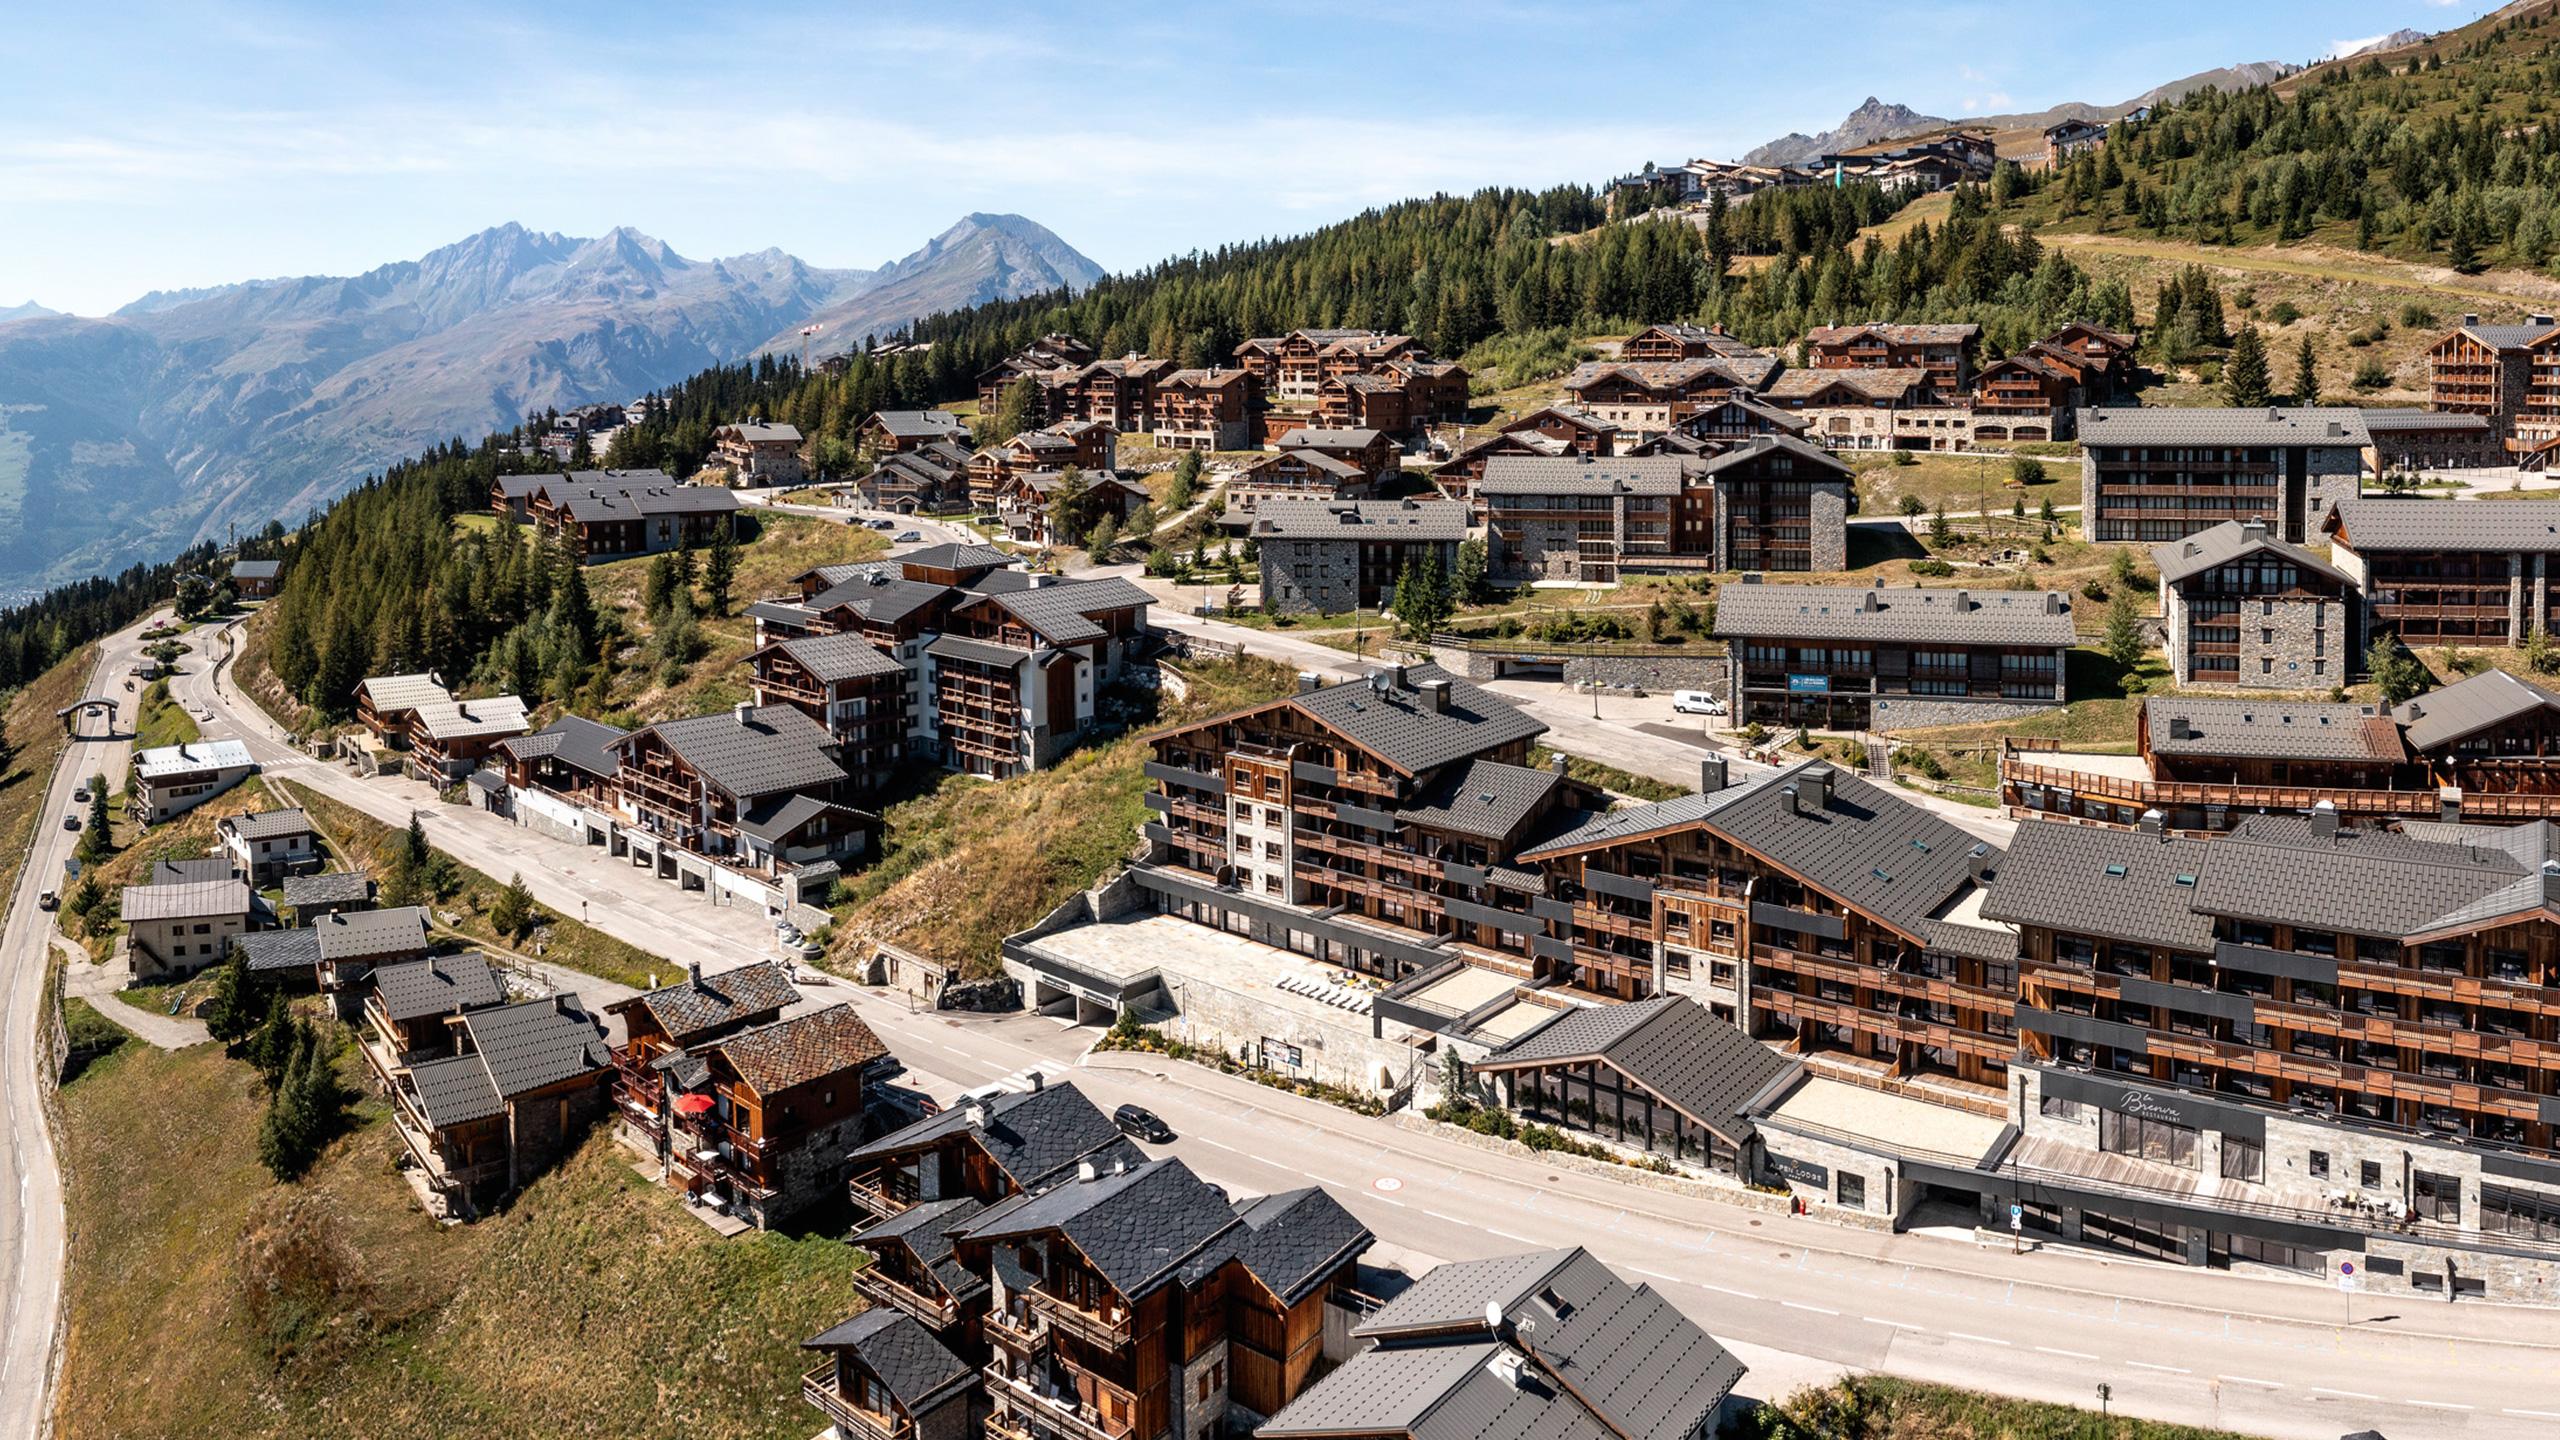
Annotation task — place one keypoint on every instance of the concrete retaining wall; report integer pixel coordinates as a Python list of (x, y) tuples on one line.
[(1657, 673)]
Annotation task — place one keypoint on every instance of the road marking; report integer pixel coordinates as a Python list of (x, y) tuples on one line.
[(2065, 1354), (1384, 1200), (1657, 1275), (1436, 1215), (2246, 1380), (1800, 1305), (1725, 1290), (1507, 1235), (2343, 1394), (1894, 1324), (2164, 1369), (1329, 1180), (1221, 1144), (1983, 1339), (2534, 1414), (2435, 1405)]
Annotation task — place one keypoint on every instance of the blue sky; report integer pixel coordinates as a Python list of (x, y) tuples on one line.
[(200, 143)]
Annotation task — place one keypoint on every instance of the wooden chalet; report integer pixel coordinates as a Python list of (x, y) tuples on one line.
[(1372, 451), (1574, 431), (1291, 369), (985, 1149), (1459, 475), (1302, 472), (757, 453), (758, 788), (572, 759), (1945, 351), (660, 1025), (847, 684), (1029, 503), (527, 1080), (884, 1377), (1205, 409), (411, 1010), (2024, 398), (895, 432), (1683, 342), (255, 579), (784, 1108), (1087, 445), (385, 704), (1016, 669), (2508, 374), (1042, 357), (1646, 398), (1118, 393)]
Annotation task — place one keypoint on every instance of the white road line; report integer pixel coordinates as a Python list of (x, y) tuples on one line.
[(2343, 1394), (2247, 1380), (1800, 1305), (2436, 1405), (1507, 1235), (1383, 1200), (1893, 1324), (1656, 1275), (2164, 1369), (1982, 1339), (2065, 1354), (1725, 1290), (1436, 1215), (2534, 1414), (1341, 1184), (1221, 1144)]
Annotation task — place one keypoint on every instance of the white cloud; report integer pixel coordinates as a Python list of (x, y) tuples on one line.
[(2340, 49)]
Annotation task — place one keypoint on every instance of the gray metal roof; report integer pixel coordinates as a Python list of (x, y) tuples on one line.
[(1579, 475), (268, 824), (2274, 426), (1320, 437), (879, 597), (190, 756), (912, 424), (847, 656), (1296, 1238), (914, 1367), (2388, 421), (2441, 717), (1602, 1360), (2395, 523), (949, 556), (1138, 1227), (2270, 729), (197, 900), (594, 506), (1398, 724), (772, 748), (1033, 1136), (331, 887), (455, 1091), (212, 869), (983, 652), (274, 951), (2116, 884), (2424, 878), (1361, 522), (255, 569), (439, 985), (1762, 446), (1918, 615), (1671, 1045), (535, 1043), (471, 719), (2508, 337), (367, 934), (776, 817), (573, 740), (1062, 610), (691, 1009), (2229, 541), (1485, 798)]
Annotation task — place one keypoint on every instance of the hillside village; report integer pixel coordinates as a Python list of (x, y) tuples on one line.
[(2023, 813)]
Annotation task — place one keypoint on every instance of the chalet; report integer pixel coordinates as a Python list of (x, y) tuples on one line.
[(386, 704), (1437, 392), (758, 789), (562, 778), (1372, 402), (309, 897), (1546, 1344), (1018, 669), (1862, 409), (450, 738), (1373, 452), (1722, 426), (1042, 357), (1291, 369), (1321, 557), (527, 1080), (985, 1150), (255, 579), (2154, 474), (409, 1014), (280, 959), (353, 942), (1086, 445), (1850, 658), (173, 931), (266, 846), (2450, 572), (1570, 518), (1686, 342), (1459, 475), (170, 780), (885, 1377), (1298, 473), (1945, 351), (1031, 504), (2101, 360), (2509, 374), (181, 871), (1118, 393), (2247, 610), (1577, 432), (759, 454), (850, 686), (2067, 138), (1662, 1077), (895, 432), (1205, 409), (930, 479), (1772, 503), (512, 496), (1645, 398), (2407, 441), (784, 1108), (597, 522), (660, 1025), (2024, 398)]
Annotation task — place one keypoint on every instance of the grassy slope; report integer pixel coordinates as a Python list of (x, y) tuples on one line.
[(188, 837), (593, 1307), (36, 742), (1879, 1407)]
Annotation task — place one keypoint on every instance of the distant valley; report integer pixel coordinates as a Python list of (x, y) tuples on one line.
[(185, 413)]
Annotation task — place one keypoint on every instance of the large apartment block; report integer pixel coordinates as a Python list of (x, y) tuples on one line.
[(1322, 557), (1575, 517), (2507, 374), (2159, 474), (2246, 610), (1846, 658), (1944, 351), (2450, 572)]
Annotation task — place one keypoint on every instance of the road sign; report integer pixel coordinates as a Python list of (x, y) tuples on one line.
[(2346, 1267), (2346, 1277), (2017, 1217)]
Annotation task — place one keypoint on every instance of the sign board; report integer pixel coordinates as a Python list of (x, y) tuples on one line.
[(1808, 684), (1802, 1172), (2347, 1277), (1280, 1053), (2017, 1217)]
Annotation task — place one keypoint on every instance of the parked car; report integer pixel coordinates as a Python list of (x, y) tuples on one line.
[(80, 796), (1695, 702), (70, 822), (884, 524), (908, 537), (1140, 1123)]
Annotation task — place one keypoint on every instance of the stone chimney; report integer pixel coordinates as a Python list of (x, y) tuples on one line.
[(2180, 728), (1977, 862), (2254, 528), (2449, 804), (744, 711), (693, 973), (2153, 823)]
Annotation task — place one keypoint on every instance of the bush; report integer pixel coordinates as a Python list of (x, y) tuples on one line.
[(2370, 375), (1934, 569), (1920, 762), (2027, 470), (2416, 316), (2284, 313)]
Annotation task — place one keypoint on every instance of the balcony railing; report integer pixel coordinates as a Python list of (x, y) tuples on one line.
[(1062, 1416), (1087, 1325), (936, 1311), (872, 1196), (819, 1388)]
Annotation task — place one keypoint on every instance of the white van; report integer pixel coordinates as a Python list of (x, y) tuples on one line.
[(1695, 702)]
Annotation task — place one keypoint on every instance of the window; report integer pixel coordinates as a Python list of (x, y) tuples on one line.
[(1853, 1191), (2369, 1174), (2318, 1164), (2243, 1159), (2147, 1138), (2436, 1197), (2270, 1252), (2058, 1108)]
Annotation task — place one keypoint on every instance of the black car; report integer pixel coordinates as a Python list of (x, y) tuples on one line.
[(1139, 1123)]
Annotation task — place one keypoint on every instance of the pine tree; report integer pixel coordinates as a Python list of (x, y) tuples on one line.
[(512, 914), (1065, 499), (720, 572), (1467, 580), (2306, 374), (270, 1048), (2463, 250), (573, 614), (2123, 642), (2245, 382), (2396, 672), (98, 838), (229, 1016), (1014, 413)]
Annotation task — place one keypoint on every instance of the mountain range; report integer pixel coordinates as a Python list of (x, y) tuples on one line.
[(187, 412)]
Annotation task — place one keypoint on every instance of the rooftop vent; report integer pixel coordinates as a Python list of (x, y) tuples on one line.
[(1438, 693), (1714, 773), (744, 711), (2470, 320), (1085, 1171), (2153, 822), (1977, 862), (1309, 680), (2324, 819)]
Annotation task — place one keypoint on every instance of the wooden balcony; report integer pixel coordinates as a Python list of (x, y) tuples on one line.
[(820, 1388), (1036, 1414), (935, 1311), (1022, 1334), (1089, 1326)]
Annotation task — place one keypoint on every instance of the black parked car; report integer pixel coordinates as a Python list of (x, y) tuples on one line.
[(1139, 1123)]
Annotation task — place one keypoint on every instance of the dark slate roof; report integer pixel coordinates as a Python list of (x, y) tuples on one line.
[(1398, 724), (949, 556), (1867, 847), (1671, 1045), (690, 1008), (1759, 446), (2381, 422), (534, 1043), (914, 424), (773, 748), (273, 951), (330, 887), (269, 825), (776, 817), (1360, 521), (2392, 523), (914, 1367), (2508, 337), (924, 1230), (775, 1057), (1603, 1360), (1033, 1136), (2270, 729), (594, 506), (1578, 475), (1485, 798), (879, 597), (1058, 610), (255, 569), (456, 1090), (2178, 425), (2114, 884), (364, 934), (2423, 879), (984, 652), (2441, 717), (2226, 542), (1940, 616), (573, 740), (1137, 1227), (439, 985), (1296, 1238), (211, 870)]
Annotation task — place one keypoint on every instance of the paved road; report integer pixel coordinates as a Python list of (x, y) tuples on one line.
[(31, 1219), (2195, 1346)]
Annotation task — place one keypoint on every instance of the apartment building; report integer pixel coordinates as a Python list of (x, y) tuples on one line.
[(1087, 445), (1944, 351), (1847, 658), (2507, 374), (1323, 557), (1291, 369), (757, 453), (758, 789), (1775, 504), (1206, 409), (1686, 342), (1872, 409), (1119, 393), (2246, 610), (2449, 572), (526, 1081), (1044, 356), (2163, 474), (607, 515), (170, 780), (1646, 398), (1576, 518)]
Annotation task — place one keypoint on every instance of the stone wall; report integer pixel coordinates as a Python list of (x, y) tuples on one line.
[(1302, 577), (1333, 1046), (1911, 712), (2302, 645), (807, 1175), (1549, 550), (1812, 1168), (1659, 674)]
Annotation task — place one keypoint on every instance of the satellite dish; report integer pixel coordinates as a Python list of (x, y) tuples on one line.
[(1493, 1316)]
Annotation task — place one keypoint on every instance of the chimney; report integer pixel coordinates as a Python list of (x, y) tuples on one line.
[(2153, 822), (2054, 604), (1964, 602), (1795, 802), (1438, 692), (2181, 728), (1399, 677), (693, 973), (1308, 680), (1086, 1172), (2253, 528), (1816, 781), (1037, 1081), (1977, 862), (1714, 773), (745, 711), (1556, 762), (2324, 820), (2541, 320), (2470, 320), (2449, 804)]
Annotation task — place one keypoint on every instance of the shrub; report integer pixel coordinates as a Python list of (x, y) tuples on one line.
[(2284, 313), (1934, 569), (2370, 375), (2026, 470)]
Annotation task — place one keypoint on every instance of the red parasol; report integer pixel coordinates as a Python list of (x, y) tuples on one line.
[(693, 1104)]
